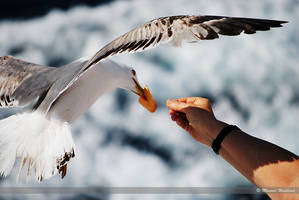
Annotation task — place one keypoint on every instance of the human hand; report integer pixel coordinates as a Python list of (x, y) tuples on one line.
[(195, 115)]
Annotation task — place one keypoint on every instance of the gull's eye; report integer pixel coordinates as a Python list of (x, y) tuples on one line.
[(133, 72)]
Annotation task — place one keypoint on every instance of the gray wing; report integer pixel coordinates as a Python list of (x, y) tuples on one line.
[(175, 29), (22, 83), (14, 75)]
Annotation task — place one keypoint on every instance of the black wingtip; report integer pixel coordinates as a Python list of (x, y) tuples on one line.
[(278, 23)]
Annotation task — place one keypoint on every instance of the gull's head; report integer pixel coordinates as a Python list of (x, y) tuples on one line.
[(131, 83)]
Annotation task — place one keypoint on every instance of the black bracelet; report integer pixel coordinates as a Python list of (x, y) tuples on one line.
[(216, 145)]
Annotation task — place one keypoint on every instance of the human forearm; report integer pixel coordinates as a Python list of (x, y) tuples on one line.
[(263, 163)]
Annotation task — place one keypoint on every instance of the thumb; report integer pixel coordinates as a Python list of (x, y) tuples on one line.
[(176, 105)]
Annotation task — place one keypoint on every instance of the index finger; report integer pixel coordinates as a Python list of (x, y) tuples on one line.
[(189, 100), (176, 105), (185, 102), (194, 100)]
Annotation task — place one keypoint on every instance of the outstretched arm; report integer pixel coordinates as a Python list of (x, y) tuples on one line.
[(263, 163)]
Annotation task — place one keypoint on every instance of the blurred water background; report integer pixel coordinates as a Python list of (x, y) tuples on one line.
[(252, 81)]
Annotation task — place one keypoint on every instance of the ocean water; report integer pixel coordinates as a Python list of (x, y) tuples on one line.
[(252, 81)]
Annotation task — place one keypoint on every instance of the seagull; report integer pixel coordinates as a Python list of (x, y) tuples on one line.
[(54, 97)]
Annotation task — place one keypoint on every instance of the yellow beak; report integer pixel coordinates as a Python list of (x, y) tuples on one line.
[(146, 99)]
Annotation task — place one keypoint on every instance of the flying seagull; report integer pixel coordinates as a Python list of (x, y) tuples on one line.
[(55, 97)]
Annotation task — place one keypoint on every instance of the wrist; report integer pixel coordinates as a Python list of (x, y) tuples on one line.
[(216, 145), (214, 130)]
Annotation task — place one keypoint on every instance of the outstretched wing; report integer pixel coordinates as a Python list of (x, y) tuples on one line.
[(13, 73), (21, 82), (175, 29)]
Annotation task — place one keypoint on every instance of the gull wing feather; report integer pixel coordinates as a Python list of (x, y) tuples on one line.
[(176, 29), (23, 83), (14, 74)]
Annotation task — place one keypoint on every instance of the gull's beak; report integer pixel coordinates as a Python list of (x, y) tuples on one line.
[(146, 99)]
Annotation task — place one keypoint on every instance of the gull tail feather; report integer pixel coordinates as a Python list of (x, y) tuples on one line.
[(45, 145)]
